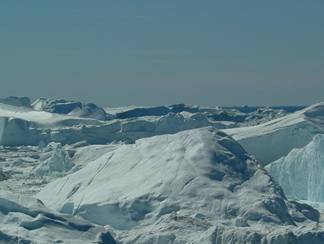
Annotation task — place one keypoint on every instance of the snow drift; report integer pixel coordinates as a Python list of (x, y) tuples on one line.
[(195, 186)]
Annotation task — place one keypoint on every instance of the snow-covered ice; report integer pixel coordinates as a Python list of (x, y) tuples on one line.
[(163, 174), (26, 220), (195, 186), (301, 172), (59, 161)]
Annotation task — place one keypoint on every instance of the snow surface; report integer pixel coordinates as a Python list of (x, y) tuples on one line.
[(26, 220), (300, 173), (195, 186), (271, 140)]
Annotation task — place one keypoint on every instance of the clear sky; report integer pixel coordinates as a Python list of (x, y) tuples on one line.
[(149, 52)]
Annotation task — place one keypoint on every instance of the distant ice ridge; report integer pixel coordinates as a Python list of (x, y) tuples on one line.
[(235, 115), (196, 186), (16, 101), (274, 139), (301, 172), (73, 108), (59, 120), (23, 126)]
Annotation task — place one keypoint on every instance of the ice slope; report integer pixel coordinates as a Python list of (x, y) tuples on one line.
[(301, 172), (26, 220), (271, 140), (196, 186), (25, 170)]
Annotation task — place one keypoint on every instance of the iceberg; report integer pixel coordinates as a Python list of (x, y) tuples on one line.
[(300, 173), (274, 139), (196, 186)]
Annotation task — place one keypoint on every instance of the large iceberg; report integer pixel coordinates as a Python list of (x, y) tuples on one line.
[(301, 172), (196, 186)]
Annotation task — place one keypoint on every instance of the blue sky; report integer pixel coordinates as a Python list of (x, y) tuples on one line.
[(161, 52)]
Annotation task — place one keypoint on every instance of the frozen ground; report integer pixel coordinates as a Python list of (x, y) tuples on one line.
[(157, 174)]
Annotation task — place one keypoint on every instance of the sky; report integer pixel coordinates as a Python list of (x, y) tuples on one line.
[(149, 52)]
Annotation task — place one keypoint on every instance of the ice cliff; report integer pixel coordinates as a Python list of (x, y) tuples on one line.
[(301, 172), (271, 140)]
